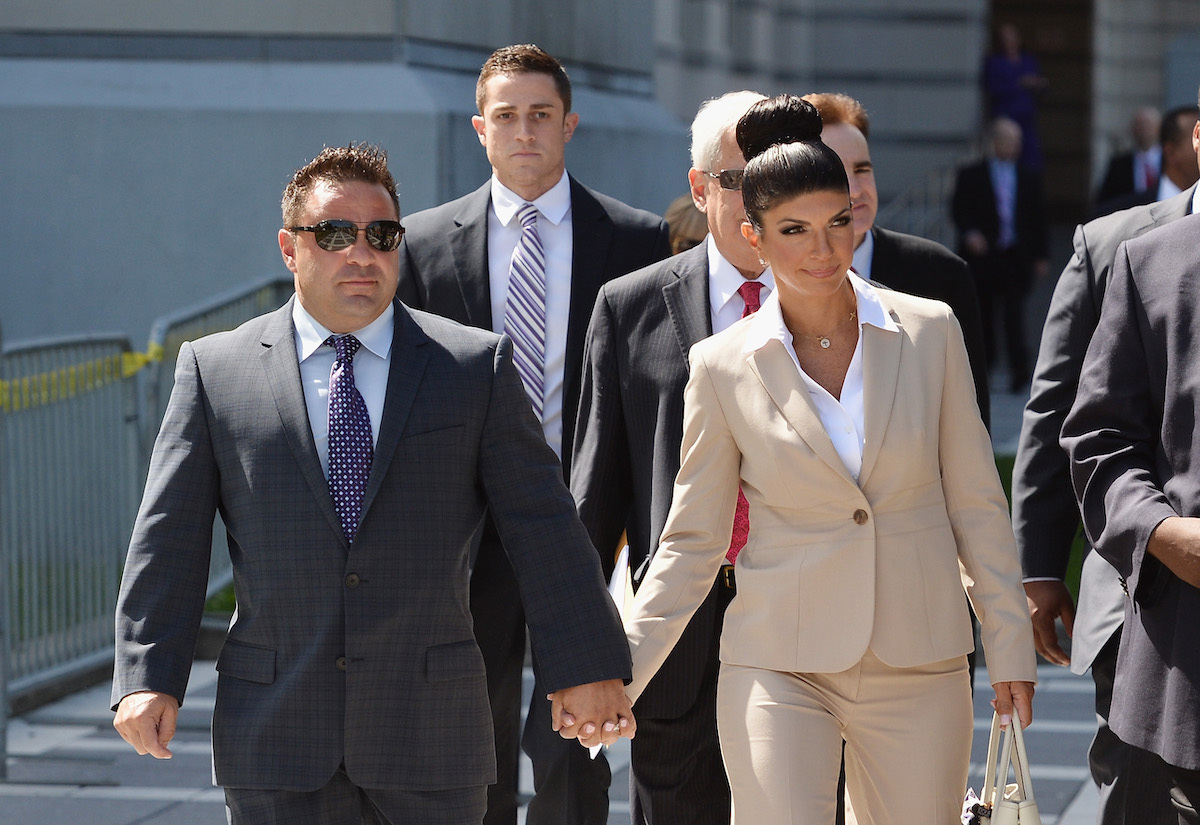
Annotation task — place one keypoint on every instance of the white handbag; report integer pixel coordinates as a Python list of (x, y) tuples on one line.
[(1001, 803)]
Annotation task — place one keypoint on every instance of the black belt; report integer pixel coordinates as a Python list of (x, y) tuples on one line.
[(725, 577)]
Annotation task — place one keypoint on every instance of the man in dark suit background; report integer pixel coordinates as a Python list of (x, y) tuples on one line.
[(1136, 169), (1131, 437), (999, 212), (626, 455), (352, 447), (1178, 167), (903, 262), (455, 262), (1046, 516)]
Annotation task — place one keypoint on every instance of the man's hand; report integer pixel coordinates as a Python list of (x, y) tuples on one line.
[(1176, 543), (597, 713), (975, 242), (1049, 601), (147, 721)]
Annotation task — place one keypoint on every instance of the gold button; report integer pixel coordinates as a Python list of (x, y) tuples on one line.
[(860, 516)]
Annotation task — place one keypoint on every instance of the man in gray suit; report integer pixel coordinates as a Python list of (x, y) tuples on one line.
[(1131, 437), (455, 261), (353, 447), (626, 455), (1046, 517)]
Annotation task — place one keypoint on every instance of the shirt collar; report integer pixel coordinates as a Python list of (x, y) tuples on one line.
[(863, 255), (375, 336), (724, 278), (553, 204), (767, 324)]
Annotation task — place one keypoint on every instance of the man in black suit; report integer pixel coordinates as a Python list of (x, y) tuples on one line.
[(903, 262), (1131, 437), (999, 212), (1136, 169), (455, 262), (1046, 517), (626, 455), (1178, 167)]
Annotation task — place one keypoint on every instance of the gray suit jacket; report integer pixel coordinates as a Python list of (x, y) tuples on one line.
[(359, 656), (628, 435), (1045, 513), (1131, 436)]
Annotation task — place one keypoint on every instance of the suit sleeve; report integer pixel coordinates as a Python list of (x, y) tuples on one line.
[(1112, 433), (978, 513), (601, 474), (696, 534), (408, 288), (964, 300), (573, 622), (166, 570), (1045, 513)]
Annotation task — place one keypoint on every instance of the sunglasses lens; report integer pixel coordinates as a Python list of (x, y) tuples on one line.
[(335, 235), (731, 179), (385, 235)]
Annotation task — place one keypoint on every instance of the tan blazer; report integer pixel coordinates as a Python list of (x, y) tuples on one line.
[(834, 567)]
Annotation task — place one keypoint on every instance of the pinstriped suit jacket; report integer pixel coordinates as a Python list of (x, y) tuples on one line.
[(380, 672), (834, 567)]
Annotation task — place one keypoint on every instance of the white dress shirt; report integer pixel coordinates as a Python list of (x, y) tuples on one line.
[(842, 418), (724, 301), (554, 229), (863, 255), (371, 365)]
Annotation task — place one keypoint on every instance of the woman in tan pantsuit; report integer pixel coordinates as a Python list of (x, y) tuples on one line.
[(847, 415)]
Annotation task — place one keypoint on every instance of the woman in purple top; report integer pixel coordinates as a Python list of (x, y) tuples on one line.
[(1012, 81)]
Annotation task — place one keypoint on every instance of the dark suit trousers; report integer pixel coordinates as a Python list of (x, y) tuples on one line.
[(1134, 789), (1183, 789), (676, 772), (1003, 285), (571, 788)]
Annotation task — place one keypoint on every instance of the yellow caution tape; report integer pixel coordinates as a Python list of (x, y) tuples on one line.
[(66, 382)]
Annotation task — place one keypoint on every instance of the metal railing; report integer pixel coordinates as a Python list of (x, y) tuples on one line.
[(78, 417), (923, 209), (68, 496)]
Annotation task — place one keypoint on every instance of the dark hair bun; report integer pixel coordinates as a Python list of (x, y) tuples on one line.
[(777, 120)]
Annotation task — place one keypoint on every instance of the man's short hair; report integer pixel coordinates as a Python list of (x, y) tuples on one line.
[(836, 108), (715, 118), (357, 162), (1173, 128), (522, 58)]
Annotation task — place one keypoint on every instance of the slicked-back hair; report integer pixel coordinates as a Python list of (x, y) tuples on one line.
[(524, 58), (713, 120), (364, 162), (836, 108)]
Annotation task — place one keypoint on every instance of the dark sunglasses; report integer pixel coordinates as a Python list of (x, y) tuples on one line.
[(334, 235), (730, 179)]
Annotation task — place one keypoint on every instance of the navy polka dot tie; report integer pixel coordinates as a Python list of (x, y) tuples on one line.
[(350, 443)]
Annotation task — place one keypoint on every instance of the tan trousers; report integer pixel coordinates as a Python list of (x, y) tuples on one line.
[(907, 732)]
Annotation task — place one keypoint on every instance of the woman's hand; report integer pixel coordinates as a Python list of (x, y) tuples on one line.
[(1010, 695)]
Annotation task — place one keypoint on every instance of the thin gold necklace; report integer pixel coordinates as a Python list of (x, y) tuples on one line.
[(823, 340)]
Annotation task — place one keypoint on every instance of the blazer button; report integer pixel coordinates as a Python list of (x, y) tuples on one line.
[(341, 663), (352, 580), (860, 516)]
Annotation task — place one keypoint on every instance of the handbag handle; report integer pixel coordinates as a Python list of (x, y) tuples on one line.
[(987, 793), (1013, 746)]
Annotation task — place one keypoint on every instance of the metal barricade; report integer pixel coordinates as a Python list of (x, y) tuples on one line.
[(68, 496), (223, 312), (923, 209)]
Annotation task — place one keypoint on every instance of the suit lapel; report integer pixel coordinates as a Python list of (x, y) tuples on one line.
[(282, 370), (777, 372), (468, 245), (591, 236), (687, 299), (881, 380), (404, 376)]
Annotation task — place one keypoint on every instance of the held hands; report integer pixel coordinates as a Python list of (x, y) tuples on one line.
[(147, 721), (597, 713)]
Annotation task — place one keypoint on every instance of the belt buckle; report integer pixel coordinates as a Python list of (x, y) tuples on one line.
[(727, 577)]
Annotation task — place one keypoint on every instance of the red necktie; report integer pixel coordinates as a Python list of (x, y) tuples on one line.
[(741, 517)]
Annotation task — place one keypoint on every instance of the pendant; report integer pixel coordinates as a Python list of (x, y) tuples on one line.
[(824, 343)]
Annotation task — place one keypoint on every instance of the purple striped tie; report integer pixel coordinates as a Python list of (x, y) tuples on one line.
[(525, 311), (350, 443)]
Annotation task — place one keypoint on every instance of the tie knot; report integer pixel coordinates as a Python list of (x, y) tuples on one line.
[(749, 291), (527, 215), (344, 345)]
